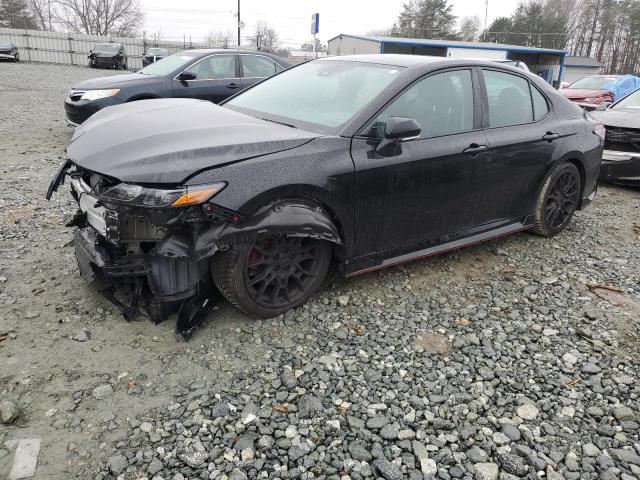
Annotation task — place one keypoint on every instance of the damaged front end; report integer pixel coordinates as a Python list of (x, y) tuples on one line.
[(158, 243)]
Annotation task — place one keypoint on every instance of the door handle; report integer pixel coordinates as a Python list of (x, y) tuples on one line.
[(474, 149), (550, 137), (233, 85)]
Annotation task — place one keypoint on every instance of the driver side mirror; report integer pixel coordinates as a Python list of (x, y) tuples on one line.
[(603, 106), (186, 75), (398, 129)]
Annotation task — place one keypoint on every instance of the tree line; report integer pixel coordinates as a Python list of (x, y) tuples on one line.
[(94, 17), (607, 30)]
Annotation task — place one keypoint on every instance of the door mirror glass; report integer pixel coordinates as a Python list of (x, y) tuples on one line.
[(187, 75)]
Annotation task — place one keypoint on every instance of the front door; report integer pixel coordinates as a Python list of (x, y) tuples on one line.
[(217, 78), (431, 187), (524, 137)]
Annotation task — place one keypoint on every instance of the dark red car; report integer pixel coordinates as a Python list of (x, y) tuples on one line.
[(589, 92)]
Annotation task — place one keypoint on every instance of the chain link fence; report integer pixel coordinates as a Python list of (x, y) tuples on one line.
[(73, 48)]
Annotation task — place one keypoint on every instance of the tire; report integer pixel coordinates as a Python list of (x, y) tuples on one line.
[(558, 200), (243, 272), (17, 59)]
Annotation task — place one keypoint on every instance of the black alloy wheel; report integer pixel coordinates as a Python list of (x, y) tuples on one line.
[(271, 275), (280, 271), (558, 200)]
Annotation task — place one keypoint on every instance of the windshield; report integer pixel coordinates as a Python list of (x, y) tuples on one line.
[(324, 93), (593, 83), (5, 45), (106, 49), (168, 64), (157, 51), (630, 102)]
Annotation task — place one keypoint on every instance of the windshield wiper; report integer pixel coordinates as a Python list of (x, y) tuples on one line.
[(276, 121)]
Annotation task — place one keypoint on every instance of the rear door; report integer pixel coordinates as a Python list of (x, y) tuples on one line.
[(431, 187), (217, 77), (256, 67), (524, 137)]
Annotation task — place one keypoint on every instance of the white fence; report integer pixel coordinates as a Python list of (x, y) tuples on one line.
[(73, 48)]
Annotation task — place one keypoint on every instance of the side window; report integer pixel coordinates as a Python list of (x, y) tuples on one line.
[(509, 99), (442, 104), (215, 67), (257, 66), (540, 105)]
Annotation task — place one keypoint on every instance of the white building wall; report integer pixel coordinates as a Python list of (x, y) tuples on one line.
[(573, 74), (352, 46), (476, 53)]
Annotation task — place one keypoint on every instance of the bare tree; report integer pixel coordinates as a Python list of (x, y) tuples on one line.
[(100, 17), (380, 32), (41, 11), (264, 38), (470, 28), (220, 39)]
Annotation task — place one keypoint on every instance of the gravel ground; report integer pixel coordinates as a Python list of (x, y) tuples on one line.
[(500, 361)]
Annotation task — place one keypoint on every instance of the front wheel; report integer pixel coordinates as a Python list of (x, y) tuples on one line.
[(17, 59), (272, 275), (558, 200)]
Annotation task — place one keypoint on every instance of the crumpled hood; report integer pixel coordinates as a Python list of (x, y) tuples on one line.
[(580, 92), (168, 140), (112, 81), (618, 118)]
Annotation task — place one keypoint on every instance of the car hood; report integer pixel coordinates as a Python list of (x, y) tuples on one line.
[(581, 92), (166, 141), (618, 118), (113, 81)]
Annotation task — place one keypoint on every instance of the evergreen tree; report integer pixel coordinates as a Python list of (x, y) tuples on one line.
[(16, 14), (426, 19)]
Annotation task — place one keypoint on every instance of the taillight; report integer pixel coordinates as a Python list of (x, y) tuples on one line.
[(600, 131)]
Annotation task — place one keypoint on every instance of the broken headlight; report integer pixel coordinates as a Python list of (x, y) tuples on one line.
[(137, 196)]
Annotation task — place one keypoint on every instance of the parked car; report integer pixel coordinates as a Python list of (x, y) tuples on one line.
[(153, 55), (8, 51), (360, 162), (205, 74), (108, 55), (594, 90), (621, 156)]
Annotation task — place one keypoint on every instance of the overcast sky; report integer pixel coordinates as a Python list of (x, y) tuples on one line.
[(291, 18)]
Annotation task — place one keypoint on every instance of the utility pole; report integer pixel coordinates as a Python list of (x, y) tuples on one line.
[(238, 23), (486, 14)]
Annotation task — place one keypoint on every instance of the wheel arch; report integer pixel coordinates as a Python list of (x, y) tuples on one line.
[(577, 159), (305, 193)]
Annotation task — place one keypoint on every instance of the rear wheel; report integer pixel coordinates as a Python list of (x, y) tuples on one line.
[(272, 275), (558, 200)]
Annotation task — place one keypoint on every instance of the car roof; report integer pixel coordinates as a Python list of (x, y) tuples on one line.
[(391, 59), (409, 61)]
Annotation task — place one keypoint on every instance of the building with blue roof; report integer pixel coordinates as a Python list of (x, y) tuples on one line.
[(547, 63)]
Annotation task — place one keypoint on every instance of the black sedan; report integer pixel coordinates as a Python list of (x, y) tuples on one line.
[(108, 55), (8, 51), (621, 157), (153, 55), (205, 74), (355, 163)]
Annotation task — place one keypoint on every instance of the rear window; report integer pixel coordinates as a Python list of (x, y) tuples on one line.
[(593, 83)]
